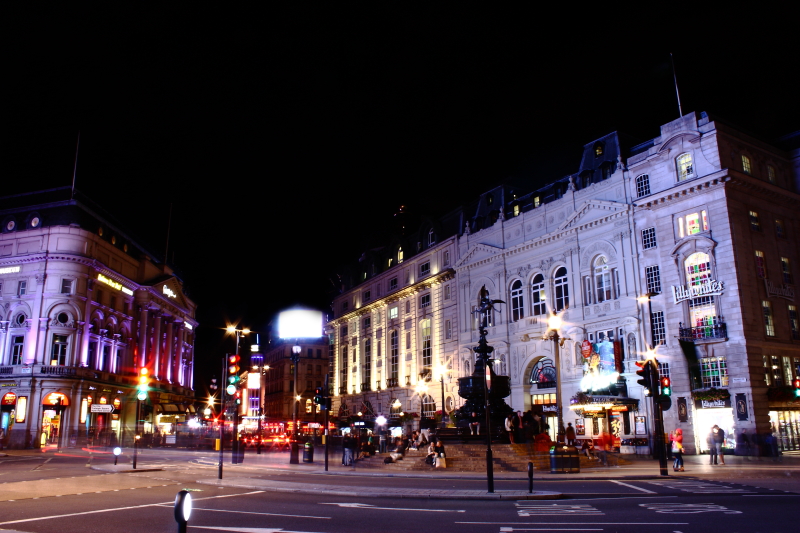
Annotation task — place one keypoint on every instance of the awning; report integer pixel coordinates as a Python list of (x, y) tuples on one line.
[(167, 408)]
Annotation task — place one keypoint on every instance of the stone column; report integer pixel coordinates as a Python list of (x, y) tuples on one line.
[(177, 356), (143, 334), (157, 346), (169, 352)]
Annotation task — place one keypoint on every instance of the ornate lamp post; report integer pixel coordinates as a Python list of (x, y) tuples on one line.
[(421, 389), (553, 324), (441, 370)]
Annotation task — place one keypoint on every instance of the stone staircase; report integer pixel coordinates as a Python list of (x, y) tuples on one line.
[(472, 458)]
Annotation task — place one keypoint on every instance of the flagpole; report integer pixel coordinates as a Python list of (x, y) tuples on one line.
[(675, 78), (75, 166)]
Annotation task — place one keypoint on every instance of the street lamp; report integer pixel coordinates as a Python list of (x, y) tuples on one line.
[(441, 370), (261, 391), (294, 455), (421, 389), (553, 324)]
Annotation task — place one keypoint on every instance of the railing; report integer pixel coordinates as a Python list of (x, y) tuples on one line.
[(378, 385), (391, 382), (58, 370), (343, 390), (718, 330), (365, 387), (7, 370)]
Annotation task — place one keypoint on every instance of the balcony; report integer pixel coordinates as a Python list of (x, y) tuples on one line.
[(391, 382), (365, 387), (343, 390), (717, 330)]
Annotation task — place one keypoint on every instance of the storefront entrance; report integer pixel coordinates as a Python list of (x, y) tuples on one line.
[(53, 407), (786, 428), (706, 418)]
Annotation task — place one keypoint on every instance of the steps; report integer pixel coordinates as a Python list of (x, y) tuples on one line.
[(472, 458)]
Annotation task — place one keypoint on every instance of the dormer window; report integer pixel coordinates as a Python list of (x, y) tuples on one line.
[(536, 201), (746, 167), (431, 237), (400, 255), (598, 149)]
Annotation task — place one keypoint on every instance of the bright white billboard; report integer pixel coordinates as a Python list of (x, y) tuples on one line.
[(300, 324)]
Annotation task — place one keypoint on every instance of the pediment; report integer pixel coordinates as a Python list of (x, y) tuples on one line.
[(591, 211), (477, 254), (172, 291)]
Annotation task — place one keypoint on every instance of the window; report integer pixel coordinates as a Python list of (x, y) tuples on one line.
[(393, 312), (393, 284), (22, 288), (393, 356), (702, 310), (515, 210), (446, 258), (66, 286), (642, 185), (755, 225), (761, 270), (714, 372), (431, 237), (746, 168), (786, 268), (561, 286), (425, 268), (663, 370), (657, 328), (653, 276), (602, 280), (400, 255), (408, 340), (685, 167), (344, 306), (448, 330), (343, 331), (58, 354), (794, 323), (516, 301), (588, 293), (427, 349), (367, 322), (539, 305), (408, 306), (598, 149), (692, 223), (536, 201), (17, 344), (367, 361), (771, 173), (367, 296), (425, 300), (649, 238), (343, 370), (766, 305), (779, 229), (447, 292), (606, 170)]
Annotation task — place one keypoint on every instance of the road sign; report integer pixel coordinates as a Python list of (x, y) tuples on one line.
[(102, 408)]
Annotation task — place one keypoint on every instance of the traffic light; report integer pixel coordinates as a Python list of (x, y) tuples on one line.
[(144, 383), (238, 397), (666, 387), (318, 396), (797, 387), (645, 372)]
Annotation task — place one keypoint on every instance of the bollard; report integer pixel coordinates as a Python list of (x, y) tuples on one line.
[(183, 509), (117, 451), (530, 478)]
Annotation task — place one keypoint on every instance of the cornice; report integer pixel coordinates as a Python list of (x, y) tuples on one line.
[(684, 189)]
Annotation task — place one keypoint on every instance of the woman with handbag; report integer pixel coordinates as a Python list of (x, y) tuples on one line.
[(441, 462), (677, 449)]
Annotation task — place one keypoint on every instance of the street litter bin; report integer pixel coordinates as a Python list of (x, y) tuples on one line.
[(308, 452), (564, 459)]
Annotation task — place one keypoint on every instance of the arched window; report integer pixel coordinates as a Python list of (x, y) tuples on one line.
[(539, 306), (561, 289), (428, 406), (517, 311), (684, 166), (602, 280), (703, 309), (427, 348)]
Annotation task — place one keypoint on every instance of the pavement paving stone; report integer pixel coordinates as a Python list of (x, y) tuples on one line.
[(43, 488)]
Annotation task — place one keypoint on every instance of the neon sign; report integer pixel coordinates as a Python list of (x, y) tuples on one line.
[(114, 284), (9, 270), (169, 292)]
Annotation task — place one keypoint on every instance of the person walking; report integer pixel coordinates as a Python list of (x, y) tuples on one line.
[(712, 448), (676, 438), (719, 440), (744, 443), (509, 425), (348, 447), (570, 434)]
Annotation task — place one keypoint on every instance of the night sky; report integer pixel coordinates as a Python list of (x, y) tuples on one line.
[(280, 137)]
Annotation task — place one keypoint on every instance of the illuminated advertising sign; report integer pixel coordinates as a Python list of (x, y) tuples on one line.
[(111, 283), (9, 270), (600, 369)]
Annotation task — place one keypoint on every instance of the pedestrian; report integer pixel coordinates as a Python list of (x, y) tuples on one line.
[(527, 425), (607, 444), (348, 449), (518, 435), (719, 440), (587, 448), (676, 438), (744, 443), (712, 448), (509, 425), (474, 424), (441, 461), (2, 436), (430, 458), (570, 434)]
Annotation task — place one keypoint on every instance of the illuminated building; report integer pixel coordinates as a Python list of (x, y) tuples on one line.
[(83, 306)]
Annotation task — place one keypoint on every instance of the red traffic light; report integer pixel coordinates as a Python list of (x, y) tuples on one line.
[(233, 361), (665, 382)]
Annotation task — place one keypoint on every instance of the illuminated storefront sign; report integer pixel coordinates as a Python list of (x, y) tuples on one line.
[(709, 287), (56, 398), (9, 398), (114, 284), (9, 270), (169, 292), (22, 408)]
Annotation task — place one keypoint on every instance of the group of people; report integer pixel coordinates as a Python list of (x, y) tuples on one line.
[(519, 427), (436, 456)]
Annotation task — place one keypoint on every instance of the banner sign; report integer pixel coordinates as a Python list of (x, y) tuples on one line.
[(713, 404), (710, 287), (741, 406), (683, 410)]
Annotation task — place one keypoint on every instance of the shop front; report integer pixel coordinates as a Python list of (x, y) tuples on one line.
[(8, 404), (53, 407), (710, 413), (785, 426), (597, 416)]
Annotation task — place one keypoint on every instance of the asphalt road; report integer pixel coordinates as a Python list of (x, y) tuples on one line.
[(59, 493)]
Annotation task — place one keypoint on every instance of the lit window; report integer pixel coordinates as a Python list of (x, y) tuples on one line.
[(642, 185), (516, 210), (516, 301), (539, 305), (598, 149), (755, 225), (761, 270), (771, 173), (649, 238), (536, 201), (786, 268), (746, 165), (692, 223), (22, 288), (703, 309), (58, 354), (393, 312), (653, 275), (427, 348), (766, 305), (400, 255), (561, 287), (685, 167), (602, 280), (431, 238), (714, 372), (425, 268), (17, 345), (794, 325)]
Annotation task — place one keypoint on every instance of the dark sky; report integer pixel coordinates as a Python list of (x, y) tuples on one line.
[(279, 137)]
